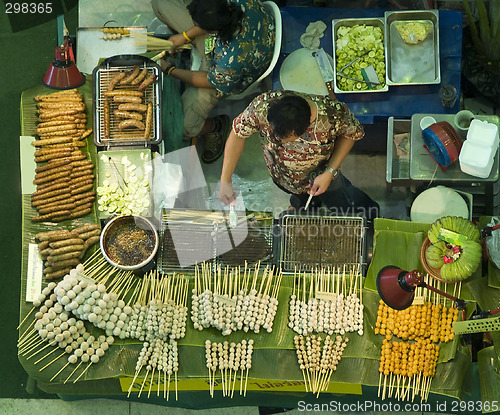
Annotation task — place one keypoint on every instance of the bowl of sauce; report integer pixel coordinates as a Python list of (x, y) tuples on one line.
[(129, 242)]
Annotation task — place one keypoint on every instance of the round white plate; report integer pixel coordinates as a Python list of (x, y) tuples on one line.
[(436, 202)]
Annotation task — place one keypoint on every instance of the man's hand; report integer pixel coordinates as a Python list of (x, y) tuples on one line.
[(321, 183), (226, 193)]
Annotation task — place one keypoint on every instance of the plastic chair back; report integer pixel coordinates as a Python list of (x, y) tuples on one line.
[(273, 7)]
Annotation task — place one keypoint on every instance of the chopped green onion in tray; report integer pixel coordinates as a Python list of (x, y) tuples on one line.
[(352, 42)]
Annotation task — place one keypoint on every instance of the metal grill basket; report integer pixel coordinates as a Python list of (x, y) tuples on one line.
[(107, 133), (188, 237), (321, 241)]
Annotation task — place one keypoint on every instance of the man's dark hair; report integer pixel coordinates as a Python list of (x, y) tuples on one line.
[(290, 115), (217, 15)]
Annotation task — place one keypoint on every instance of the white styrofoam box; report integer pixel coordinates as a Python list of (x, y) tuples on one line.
[(476, 159), (484, 133)]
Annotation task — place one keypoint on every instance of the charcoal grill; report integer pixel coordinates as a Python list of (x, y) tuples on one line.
[(199, 238), (311, 241), (105, 135)]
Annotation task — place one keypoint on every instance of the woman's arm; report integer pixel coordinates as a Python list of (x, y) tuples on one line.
[(181, 39), (198, 79), (232, 153)]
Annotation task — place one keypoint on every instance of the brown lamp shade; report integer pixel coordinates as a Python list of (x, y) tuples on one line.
[(397, 287), (62, 72)]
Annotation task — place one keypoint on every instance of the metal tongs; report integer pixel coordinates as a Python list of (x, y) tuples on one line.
[(341, 74), (233, 216), (117, 173)]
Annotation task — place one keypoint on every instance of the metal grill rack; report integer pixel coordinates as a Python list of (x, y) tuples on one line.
[(256, 246), (188, 237), (110, 135), (308, 242), (191, 241)]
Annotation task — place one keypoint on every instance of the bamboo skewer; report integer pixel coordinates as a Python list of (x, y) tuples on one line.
[(24, 319), (59, 371), (155, 43), (52, 361), (74, 370), (83, 372)]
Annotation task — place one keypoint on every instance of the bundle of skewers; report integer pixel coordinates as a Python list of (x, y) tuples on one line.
[(328, 301), (57, 325), (432, 318), (407, 369), (160, 356), (408, 366), (114, 33), (159, 319), (229, 359), (318, 360), (232, 299), (154, 43), (155, 313), (64, 175)]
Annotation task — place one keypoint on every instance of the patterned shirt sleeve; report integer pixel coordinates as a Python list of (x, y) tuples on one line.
[(248, 123), (344, 123)]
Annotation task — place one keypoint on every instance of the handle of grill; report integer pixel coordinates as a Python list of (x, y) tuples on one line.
[(126, 60)]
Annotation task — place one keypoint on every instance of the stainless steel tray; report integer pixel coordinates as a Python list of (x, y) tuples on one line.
[(416, 64), (92, 46), (397, 168), (102, 75), (336, 24)]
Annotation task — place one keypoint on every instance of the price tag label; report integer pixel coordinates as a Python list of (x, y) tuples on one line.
[(225, 300), (418, 300), (326, 296), (83, 277), (35, 273)]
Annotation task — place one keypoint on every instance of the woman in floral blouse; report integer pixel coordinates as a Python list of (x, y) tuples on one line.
[(305, 138), (236, 40)]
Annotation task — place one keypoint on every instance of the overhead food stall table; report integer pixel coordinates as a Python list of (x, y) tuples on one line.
[(275, 378)]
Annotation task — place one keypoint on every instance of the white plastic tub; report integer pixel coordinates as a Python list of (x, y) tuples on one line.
[(476, 159), (478, 151), (483, 132)]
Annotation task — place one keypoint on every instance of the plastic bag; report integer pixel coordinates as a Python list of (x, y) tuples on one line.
[(493, 242)]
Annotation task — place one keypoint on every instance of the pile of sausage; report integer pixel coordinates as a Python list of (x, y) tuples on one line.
[(63, 249), (64, 175), (125, 107)]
